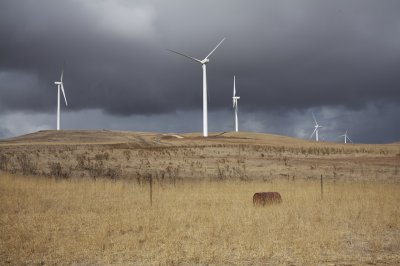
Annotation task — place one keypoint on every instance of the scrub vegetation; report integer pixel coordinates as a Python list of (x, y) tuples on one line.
[(173, 158)]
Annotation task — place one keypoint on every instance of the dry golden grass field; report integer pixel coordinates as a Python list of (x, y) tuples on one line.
[(82, 197)]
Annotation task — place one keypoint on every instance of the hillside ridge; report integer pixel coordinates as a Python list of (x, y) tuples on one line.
[(162, 139)]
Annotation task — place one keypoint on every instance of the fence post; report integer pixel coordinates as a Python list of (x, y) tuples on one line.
[(151, 189), (322, 188)]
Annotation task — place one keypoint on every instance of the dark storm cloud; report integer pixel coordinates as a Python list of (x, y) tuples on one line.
[(287, 55)]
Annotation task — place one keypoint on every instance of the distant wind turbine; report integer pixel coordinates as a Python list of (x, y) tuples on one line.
[(60, 85), (203, 63), (346, 137), (316, 128), (235, 104)]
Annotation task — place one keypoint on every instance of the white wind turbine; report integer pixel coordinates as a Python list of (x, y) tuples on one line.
[(235, 104), (316, 128), (346, 137), (203, 63), (60, 85)]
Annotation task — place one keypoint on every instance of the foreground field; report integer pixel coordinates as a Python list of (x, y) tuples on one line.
[(86, 221)]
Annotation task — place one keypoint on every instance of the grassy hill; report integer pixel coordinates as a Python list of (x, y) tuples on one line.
[(172, 157)]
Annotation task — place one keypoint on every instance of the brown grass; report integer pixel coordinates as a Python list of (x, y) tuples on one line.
[(84, 221), (227, 156)]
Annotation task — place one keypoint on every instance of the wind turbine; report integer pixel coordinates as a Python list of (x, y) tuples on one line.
[(346, 137), (316, 128), (60, 85), (203, 64), (235, 104)]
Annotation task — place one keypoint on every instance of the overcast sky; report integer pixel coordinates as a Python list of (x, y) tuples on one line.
[(339, 59)]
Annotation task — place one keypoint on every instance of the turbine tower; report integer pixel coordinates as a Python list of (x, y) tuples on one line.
[(60, 85), (316, 128), (346, 137), (203, 64), (235, 104)]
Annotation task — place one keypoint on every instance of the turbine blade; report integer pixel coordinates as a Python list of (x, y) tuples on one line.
[(195, 59), (234, 86), (349, 139), (215, 48), (62, 74), (315, 120), (62, 69), (313, 133), (65, 98)]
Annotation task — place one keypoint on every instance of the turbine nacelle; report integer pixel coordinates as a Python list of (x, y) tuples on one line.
[(205, 61), (235, 100), (57, 82)]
